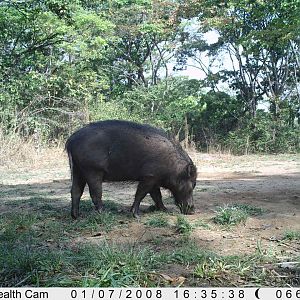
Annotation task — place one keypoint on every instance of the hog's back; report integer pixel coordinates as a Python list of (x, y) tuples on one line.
[(123, 150)]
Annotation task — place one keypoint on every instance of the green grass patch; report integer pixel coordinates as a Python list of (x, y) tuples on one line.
[(210, 268), (249, 209), (183, 226), (96, 221), (231, 268), (32, 255), (112, 206), (228, 215), (41, 248), (201, 223), (235, 213), (218, 270), (291, 235), (185, 252), (158, 220), (114, 266), (103, 266)]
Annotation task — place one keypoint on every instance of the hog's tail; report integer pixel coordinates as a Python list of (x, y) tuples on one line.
[(71, 164), (70, 159)]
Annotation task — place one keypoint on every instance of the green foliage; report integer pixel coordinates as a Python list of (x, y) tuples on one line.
[(201, 223), (218, 267), (220, 115), (167, 103), (249, 209), (66, 63), (261, 41), (186, 252), (263, 134), (112, 266), (100, 110), (46, 53)]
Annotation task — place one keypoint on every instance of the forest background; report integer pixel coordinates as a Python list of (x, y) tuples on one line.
[(66, 63)]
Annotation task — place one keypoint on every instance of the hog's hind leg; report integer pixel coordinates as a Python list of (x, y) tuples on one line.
[(94, 181), (157, 198), (143, 188), (78, 184)]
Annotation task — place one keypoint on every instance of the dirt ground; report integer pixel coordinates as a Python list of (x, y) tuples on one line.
[(271, 183), (268, 182)]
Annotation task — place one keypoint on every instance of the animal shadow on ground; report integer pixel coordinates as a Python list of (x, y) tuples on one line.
[(277, 193)]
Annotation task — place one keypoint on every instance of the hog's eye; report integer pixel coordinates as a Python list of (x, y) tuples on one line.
[(194, 184)]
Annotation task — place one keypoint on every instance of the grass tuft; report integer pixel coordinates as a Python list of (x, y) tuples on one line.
[(291, 235), (202, 224), (158, 220), (183, 226), (249, 209), (235, 213)]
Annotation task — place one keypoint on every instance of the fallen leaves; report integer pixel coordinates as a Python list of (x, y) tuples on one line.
[(174, 281)]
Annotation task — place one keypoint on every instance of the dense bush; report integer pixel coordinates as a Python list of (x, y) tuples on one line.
[(263, 135)]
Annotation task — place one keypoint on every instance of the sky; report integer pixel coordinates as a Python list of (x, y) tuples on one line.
[(194, 72)]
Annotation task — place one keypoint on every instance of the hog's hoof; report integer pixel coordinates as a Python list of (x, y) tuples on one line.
[(164, 209), (188, 212), (157, 208), (74, 215), (136, 216), (99, 210), (135, 212)]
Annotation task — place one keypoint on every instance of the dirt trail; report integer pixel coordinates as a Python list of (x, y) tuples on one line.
[(268, 182)]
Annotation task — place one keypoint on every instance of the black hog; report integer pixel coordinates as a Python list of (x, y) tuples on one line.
[(120, 150)]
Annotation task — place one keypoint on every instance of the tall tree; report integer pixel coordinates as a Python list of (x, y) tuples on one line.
[(46, 52), (144, 40), (259, 37)]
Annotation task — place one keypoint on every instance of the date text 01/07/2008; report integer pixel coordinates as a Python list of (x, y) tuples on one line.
[(151, 293)]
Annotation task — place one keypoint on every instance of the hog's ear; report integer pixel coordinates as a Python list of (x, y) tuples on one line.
[(191, 171)]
